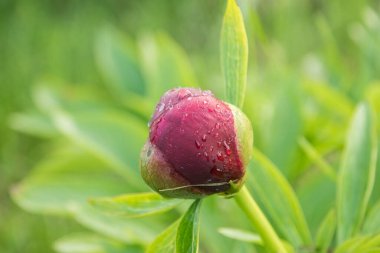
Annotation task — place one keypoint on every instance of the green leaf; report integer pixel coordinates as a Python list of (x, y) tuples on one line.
[(132, 231), (281, 127), (62, 181), (241, 235), (92, 243), (61, 185), (330, 99), (135, 205), (33, 123), (187, 239), (117, 60), (352, 245), (278, 199), (360, 244), (314, 156), (114, 137), (372, 220), (326, 232), (165, 64), (357, 173), (164, 242), (234, 54)]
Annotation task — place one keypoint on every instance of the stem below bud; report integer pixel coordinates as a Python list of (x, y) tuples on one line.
[(249, 206)]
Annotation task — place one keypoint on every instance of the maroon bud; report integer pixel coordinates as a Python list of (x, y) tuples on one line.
[(197, 146)]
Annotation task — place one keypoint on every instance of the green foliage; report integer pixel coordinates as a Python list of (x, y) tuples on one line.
[(188, 230), (234, 54), (357, 173), (135, 205), (76, 160), (279, 200)]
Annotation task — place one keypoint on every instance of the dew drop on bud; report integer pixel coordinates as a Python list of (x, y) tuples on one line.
[(184, 93), (206, 155), (220, 156), (215, 171), (161, 107), (204, 137), (197, 144), (227, 148)]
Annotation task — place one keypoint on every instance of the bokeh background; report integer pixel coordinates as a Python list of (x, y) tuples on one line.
[(292, 43)]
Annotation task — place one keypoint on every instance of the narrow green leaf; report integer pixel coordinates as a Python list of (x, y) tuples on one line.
[(132, 231), (241, 235), (326, 231), (164, 242), (278, 199), (234, 54), (314, 156), (352, 245), (372, 220), (92, 243), (33, 123), (330, 99), (357, 173), (62, 180), (360, 244), (187, 239), (135, 205), (165, 64), (112, 136), (117, 60), (281, 127)]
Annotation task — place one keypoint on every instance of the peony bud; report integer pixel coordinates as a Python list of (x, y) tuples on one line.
[(197, 146)]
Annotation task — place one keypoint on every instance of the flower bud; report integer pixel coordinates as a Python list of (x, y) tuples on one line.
[(197, 146)]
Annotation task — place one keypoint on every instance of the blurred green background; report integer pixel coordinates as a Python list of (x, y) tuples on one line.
[(329, 49)]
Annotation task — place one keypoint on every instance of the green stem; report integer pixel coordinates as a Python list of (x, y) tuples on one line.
[(259, 221)]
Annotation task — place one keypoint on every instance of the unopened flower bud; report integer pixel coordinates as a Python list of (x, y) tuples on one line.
[(198, 145)]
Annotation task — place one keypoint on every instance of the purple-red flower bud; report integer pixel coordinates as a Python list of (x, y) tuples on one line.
[(197, 146)]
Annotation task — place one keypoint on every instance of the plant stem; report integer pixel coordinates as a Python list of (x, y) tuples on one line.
[(259, 221)]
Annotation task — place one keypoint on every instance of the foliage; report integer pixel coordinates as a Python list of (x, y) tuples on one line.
[(312, 95)]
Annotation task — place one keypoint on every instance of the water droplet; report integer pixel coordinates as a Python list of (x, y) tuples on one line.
[(220, 156), (204, 137), (216, 136), (219, 143), (206, 93), (196, 132), (227, 148), (149, 152), (184, 93), (205, 102), (211, 148), (206, 155), (161, 107), (217, 125), (216, 172), (199, 154), (170, 106), (197, 144)]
